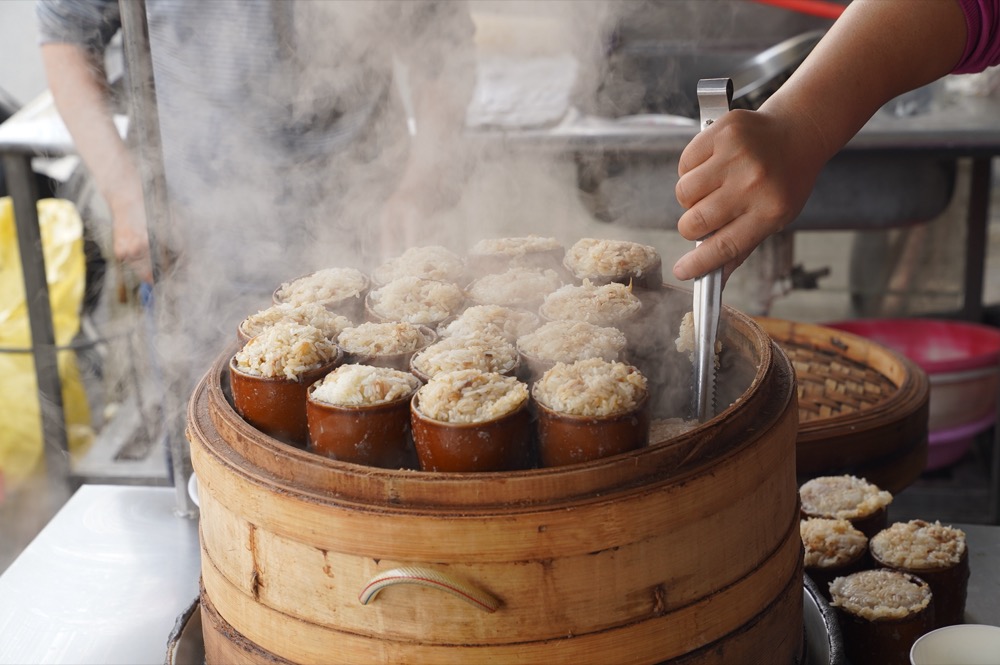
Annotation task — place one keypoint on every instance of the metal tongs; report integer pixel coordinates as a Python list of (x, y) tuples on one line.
[(714, 98)]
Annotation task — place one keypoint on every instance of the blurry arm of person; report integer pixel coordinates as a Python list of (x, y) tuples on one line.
[(750, 174), (440, 61), (79, 88)]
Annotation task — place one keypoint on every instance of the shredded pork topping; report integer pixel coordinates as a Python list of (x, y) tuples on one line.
[(485, 352), (324, 286), (610, 259), (592, 387), (514, 247), (364, 385), (507, 322), (311, 314), (569, 341), (470, 396), (382, 339), (830, 542), (516, 287), (286, 349), (919, 545), (429, 262), (845, 497), (880, 594), (605, 305), (416, 300)]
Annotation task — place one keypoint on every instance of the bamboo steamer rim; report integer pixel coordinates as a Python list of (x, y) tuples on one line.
[(902, 403), (212, 420)]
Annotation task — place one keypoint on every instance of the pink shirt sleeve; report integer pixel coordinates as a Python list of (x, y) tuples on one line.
[(982, 46)]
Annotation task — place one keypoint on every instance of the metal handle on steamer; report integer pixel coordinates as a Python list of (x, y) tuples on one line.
[(429, 578)]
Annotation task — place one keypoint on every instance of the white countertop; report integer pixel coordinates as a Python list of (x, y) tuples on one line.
[(108, 577), (103, 583)]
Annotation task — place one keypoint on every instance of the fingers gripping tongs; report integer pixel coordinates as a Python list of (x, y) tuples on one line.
[(714, 99)]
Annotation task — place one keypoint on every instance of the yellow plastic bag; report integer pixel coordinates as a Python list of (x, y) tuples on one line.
[(21, 449)]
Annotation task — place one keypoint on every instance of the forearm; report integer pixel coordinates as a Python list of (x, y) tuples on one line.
[(877, 50), (79, 89)]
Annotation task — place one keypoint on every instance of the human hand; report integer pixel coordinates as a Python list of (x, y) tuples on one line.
[(742, 179), (130, 239)]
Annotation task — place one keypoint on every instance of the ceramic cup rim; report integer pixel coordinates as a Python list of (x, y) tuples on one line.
[(356, 408), (584, 420), (937, 633), (415, 409), (338, 357)]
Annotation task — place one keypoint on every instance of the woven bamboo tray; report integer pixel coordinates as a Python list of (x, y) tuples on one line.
[(863, 408)]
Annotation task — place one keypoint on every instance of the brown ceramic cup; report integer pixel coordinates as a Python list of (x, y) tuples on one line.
[(371, 313), (372, 435), (949, 584), (277, 405), (400, 361), (353, 307), (503, 444), (569, 439), (884, 641)]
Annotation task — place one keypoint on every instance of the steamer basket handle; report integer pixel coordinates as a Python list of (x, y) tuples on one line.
[(429, 578)]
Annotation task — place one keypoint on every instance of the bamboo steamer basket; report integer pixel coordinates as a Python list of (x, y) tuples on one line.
[(685, 551), (863, 408)]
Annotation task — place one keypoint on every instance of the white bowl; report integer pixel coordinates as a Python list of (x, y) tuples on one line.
[(964, 644)]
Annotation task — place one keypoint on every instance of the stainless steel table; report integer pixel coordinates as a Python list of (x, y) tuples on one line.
[(104, 581)]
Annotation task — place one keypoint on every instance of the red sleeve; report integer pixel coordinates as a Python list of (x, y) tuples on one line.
[(982, 45)]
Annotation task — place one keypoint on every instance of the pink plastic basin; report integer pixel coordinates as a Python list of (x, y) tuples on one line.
[(962, 361)]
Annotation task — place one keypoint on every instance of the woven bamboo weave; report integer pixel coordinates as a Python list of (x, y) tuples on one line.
[(830, 385), (863, 408)]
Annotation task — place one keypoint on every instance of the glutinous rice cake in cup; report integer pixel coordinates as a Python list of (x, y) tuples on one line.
[(361, 414), (272, 372), (846, 497), (523, 288), (590, 409), (311, 314), (509, 322), (338, 289), (937, 554), (415, 300), (486, 352), (611, 304), (568, 342), (427, 262), (472, 421), (832, 548), (499, 254), (385, 344), (881, 614), (602, 261)]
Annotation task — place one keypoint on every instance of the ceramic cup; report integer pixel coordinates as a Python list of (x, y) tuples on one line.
[(503, 444), (570, 439), (372, 435), (400, 361), (277, 405), (966, 644)]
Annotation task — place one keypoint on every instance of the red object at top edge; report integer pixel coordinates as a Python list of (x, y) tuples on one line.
[(938, 346)]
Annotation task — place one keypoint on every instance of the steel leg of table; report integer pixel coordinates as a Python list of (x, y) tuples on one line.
[(24, 193)]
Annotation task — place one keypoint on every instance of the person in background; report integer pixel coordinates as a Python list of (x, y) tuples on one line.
[(750, 174), (285, 139)]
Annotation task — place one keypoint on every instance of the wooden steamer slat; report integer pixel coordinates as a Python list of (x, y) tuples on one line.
[(682, 551)]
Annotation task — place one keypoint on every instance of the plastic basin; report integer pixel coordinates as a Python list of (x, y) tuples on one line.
[(962, 361)]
